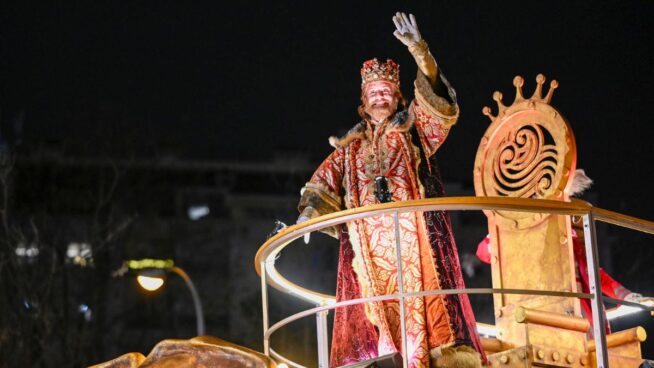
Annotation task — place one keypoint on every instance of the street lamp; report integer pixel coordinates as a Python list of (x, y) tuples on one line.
[(151, 274), (150, 283)]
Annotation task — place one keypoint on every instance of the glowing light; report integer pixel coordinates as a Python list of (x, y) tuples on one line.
[(150, 283), (28, 251), (486, 329), (78, 250), (80, 254), (20, 250), (150, 263), (282, 365), (73, 250), (85, 310), (197, 212), (300, 292), (624, 310)]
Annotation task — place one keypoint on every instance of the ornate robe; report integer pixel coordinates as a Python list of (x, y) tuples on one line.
[(402, 149)]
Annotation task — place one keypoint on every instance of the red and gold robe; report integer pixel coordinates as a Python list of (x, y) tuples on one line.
[(402, 149)]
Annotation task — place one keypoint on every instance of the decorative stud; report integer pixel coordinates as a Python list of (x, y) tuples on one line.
[(556, 356)]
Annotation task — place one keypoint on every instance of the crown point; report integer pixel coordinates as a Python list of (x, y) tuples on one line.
[(553, 85), (497, 96), (538, 92), (518, 82), (487, 111)]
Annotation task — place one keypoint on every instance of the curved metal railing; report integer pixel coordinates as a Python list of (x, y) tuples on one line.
[(270, 250)]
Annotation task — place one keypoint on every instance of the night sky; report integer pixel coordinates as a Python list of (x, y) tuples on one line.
[(243, 81), (246, 81)]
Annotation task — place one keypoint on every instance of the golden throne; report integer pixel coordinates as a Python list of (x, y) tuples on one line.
[(529, 151)]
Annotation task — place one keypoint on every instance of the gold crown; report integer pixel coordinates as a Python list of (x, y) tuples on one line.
[(518, 82), (374, 71)]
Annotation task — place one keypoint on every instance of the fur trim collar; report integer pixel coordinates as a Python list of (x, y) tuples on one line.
[(400, 122)]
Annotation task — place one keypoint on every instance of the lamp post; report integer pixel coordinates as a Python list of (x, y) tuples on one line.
[(150, 274)]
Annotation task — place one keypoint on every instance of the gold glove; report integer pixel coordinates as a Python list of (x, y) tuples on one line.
[(425, 60)]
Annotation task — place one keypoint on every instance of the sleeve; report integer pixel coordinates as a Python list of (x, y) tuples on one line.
[(483, 250), (609, 286), (434, 114), (612, 288), (322, 194)]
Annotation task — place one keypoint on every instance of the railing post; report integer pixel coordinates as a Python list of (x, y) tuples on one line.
[(264, 307), (323, 342), (599, 319), (400, 282)]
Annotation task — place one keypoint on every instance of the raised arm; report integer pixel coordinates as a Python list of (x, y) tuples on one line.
[(434, 107), (407, 32)]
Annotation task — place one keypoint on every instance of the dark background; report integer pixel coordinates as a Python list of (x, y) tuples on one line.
[(219, 80), (183, 103)]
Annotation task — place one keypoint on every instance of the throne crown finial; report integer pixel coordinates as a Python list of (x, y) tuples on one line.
[(518, 82)]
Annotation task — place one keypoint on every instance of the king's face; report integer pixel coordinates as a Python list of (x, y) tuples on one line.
[(380, 99)]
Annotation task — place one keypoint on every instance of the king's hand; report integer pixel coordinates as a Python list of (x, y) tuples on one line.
[(407, 29), (407, 32), (306, 216)]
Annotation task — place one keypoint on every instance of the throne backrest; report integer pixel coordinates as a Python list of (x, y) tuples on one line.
[(528, 151)]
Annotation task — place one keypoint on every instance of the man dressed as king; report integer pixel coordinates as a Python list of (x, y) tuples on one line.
[(390, 155)]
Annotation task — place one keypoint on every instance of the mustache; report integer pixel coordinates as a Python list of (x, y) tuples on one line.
[(380, 104), (385, 106)]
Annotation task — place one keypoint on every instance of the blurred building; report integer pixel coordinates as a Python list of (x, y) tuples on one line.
[(210, 217)]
